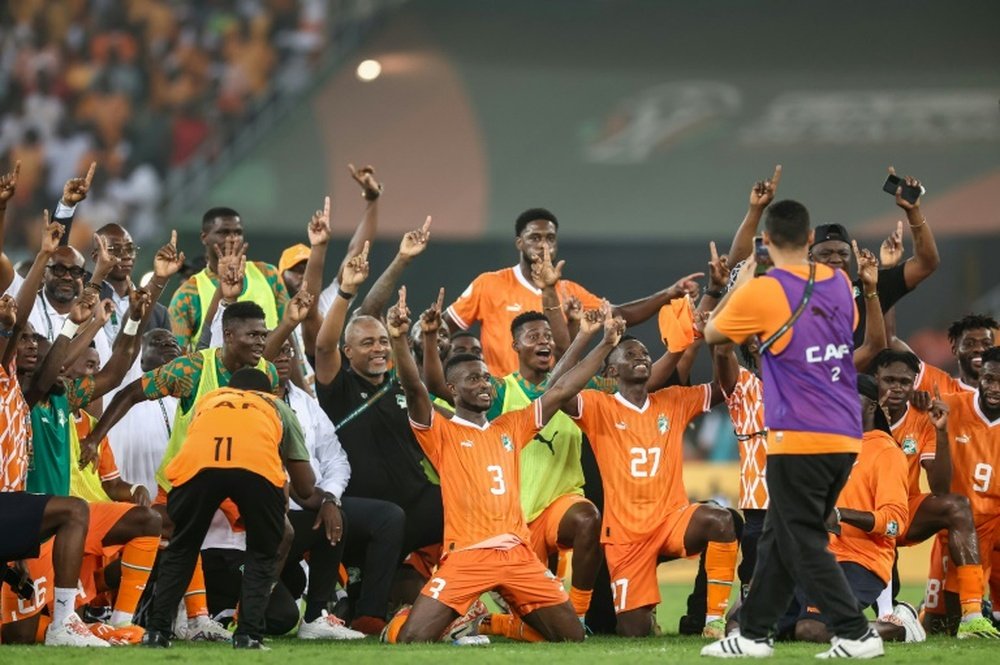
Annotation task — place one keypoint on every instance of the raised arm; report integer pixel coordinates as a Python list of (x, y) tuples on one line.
[(939, 471), (74, 191), (875, 339), (328, 340), (411, 246), (319, 240), (761, 194), (295, 312), (418, 400), (46, 375), (641, 310), (546, 275), (120, 404), (925, 259), (591, 322), (371, 190), (126, 345), (558, 395), (430, 323), (8, 184), (8, 320)]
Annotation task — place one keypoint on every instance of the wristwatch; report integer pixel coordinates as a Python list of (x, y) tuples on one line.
[(330, 498)]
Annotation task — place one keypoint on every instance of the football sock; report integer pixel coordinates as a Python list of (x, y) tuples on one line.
[(65, 604), (580, 600), (720, 567), (970, 590), (509, 626), (137, 562), (195, 599)]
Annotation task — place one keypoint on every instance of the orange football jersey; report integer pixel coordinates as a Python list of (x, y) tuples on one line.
[(479, 469), (15, 432), (917, 438), (975, 454), (640, 452), (746, 410), (931, 376)]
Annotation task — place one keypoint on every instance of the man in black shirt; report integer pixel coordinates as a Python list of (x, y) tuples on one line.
[(832, 246)]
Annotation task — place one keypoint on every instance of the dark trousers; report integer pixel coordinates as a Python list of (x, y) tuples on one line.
[(424, 519), (191, 507), (793, 547), (375, 545), (753, 527), (223, 581), (324, 558)]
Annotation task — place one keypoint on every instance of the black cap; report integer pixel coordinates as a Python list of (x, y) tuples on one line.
[(868, 387), (826, 232)]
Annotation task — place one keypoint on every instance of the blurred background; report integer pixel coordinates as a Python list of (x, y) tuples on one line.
[(642, 124)]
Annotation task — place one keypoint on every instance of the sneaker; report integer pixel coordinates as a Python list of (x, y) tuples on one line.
[(467, 624), (906, 615), (979, 627), (180, 628), (714, 629), (72, 632), (500, 602), (327, 627), (118, 636), (737, 646), (155, 640), (206, 629), (246, 642), (472, 641), (867, 646), (403, 612)]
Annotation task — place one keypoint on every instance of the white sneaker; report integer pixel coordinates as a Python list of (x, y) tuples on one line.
[(73, 632), (868, 646), (180, 629), (472, 641), (206, 629), (737, 646), (327, 627), (907, 616), (467, 624)]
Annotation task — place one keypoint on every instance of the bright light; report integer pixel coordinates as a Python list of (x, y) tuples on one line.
[(369, 70)]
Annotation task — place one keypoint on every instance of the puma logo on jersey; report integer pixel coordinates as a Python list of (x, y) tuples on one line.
[(621, 425), (516, 307), (547, 442), (963, 438), (466, 444)]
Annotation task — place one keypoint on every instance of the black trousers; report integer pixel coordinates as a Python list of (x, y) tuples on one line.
[(324, 558), (223, 581), (753, 527), (424, 519), (191, 507), (375, 545), (793, 547)]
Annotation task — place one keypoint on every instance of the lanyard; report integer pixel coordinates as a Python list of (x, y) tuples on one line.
[(379, 394), (166, 418), (48, 319)]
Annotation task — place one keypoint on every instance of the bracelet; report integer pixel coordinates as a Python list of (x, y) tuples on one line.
[(917, 226), (715, 294), (134, 488), (69, 329), (345, 295), (372, 194), (93, 285), (158, 285), (131, 327), (554, 308), (871, 296), (225, 303), (7, 333)]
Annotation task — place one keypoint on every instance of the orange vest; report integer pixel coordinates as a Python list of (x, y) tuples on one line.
[(231, 429)]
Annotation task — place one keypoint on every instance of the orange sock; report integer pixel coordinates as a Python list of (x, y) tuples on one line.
[(720, 566), (970, 588), (137, 561), (580, 600), (509, 626), (396, 624), (195, 599)]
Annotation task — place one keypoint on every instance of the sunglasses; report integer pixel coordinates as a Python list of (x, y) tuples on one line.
[(125, 251), (59, 270)]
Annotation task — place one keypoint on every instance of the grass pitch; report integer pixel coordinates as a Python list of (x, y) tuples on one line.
[(668, 648)]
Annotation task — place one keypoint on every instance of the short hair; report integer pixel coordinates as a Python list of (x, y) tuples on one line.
[(970, 322), (250, 378), (462, 333), (208, 219), (525, 318), (109, 227), (625, 338), (991, 355), (886, 357), (245, 310), (454, 361), (787, 224), (531, 215)]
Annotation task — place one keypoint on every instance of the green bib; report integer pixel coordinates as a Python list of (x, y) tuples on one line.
[(85, 483), (51, 423), (550, 465), (255, 289), (207, 382)]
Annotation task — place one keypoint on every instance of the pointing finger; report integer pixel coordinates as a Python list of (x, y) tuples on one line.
[(326, 207), (364, 251), (440, 300), (713, 252), (892, 170), (90, 174), (402, 299), (173, 238), (937, 393), (427, 225), (17, 170), (776, 178)]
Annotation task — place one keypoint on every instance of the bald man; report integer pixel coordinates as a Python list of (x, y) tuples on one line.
[(119, 281)]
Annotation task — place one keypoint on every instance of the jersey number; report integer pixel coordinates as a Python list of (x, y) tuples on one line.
[(646, 458), (219, 440), (436, 587), (835, 374), (619, 594), (500, 487), (983, 475)]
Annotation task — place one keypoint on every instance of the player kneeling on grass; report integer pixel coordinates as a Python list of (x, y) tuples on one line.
[(239, 445), (485, 536)]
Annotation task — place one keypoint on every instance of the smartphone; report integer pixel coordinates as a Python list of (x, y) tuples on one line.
[(910, 194), (25, 589), (761, 256)]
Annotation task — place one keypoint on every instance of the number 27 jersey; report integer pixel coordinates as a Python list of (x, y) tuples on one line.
[(640, 454), (975, 454)]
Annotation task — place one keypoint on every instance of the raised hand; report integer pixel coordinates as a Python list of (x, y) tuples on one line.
[(8, 312), (371, 188), (8, 183), (398, 317), (105, 261), (415, 242), (614, 328), (139, 302), (890, 252), (592, 321), (686, 286), (910, 182), (763, 191), (867, 267), (430, 320), (298, 307), (718, 269), (572, 308), (103, 311), (938, 411), (543, 273), (356, 270), (921, 400), (52, 233), (319, 226), (84, 307), (232, 269), (75, 189), (168, 261)]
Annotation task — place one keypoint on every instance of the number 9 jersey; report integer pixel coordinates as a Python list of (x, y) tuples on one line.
[(975, 454)]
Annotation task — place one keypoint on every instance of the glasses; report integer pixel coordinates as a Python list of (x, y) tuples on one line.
[(124, 251), (60, 271), (286, 352)]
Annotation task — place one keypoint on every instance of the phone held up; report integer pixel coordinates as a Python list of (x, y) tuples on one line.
[(910, 194), (761, 256)]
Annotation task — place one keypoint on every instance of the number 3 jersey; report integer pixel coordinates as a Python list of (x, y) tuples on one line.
[(239, 429), (640, 453), (480, 476), (975, 454)]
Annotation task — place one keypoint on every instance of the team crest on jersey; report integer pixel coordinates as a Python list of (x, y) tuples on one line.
[(401, 401), (662, 423), (909, 445), (507, 445), (892, 528)]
